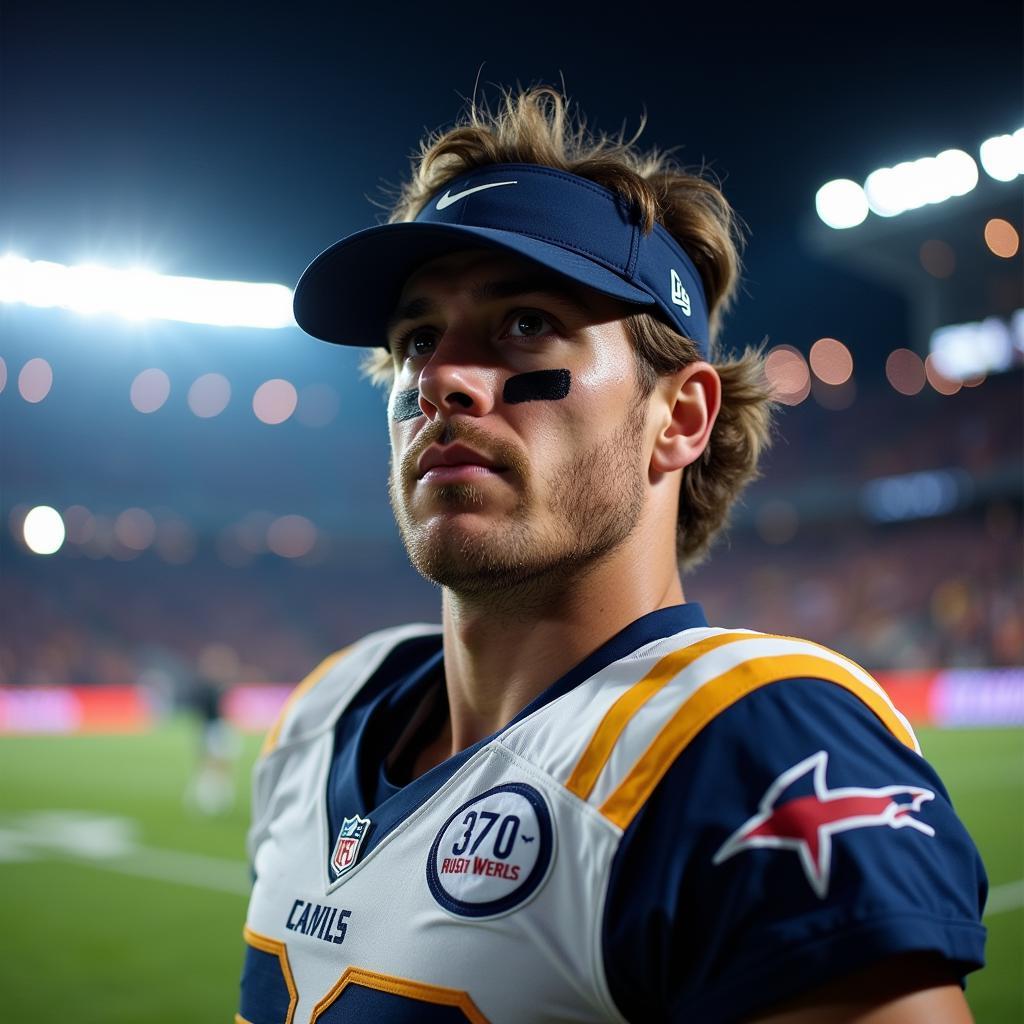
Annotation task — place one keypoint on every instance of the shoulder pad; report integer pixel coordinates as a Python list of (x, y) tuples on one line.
[(311, 706), (629, 723)]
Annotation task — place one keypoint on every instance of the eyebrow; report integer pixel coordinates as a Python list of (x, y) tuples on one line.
[(492, 291)]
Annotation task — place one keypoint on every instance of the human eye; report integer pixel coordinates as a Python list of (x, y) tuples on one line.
[(530, 323), (416, 341)]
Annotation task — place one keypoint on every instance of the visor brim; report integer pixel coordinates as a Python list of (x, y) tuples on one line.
[(347, 294)]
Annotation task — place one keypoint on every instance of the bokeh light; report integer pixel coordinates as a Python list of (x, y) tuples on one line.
[(939, 381), (291, 536), (135, 529), (43, 530), (3, 374), (35, 380), (274, 401), (1002, 238), (121, 552), (1003, 156), (209, 395), (150, 390), (787, 374), (937, 257), (904, 369), (914, 183), (955, 174), (78, 522), (841, 204), (318, 405), (100, 538), (831, 361)]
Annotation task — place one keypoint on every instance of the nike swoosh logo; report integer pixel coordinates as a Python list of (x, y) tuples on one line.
[(448, 199)]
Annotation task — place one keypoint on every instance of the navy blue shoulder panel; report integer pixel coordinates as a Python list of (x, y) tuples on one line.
[(352, 778), (367, 730), (793, 841)]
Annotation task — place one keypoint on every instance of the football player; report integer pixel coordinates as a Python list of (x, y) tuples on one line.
[(575, 799)]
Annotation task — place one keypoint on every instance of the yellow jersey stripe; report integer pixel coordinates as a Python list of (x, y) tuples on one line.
[(268, 945), (914, 744), (714, 697), (407, 988), (593, 759), (307, 684)]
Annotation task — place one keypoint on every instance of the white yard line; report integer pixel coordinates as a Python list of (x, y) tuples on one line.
[(174, 866), (181, 868), (109, 843)]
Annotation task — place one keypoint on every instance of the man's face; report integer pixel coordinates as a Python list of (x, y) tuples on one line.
[(491, 490)]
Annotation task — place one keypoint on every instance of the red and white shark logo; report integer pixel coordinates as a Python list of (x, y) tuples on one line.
[(806, 824)]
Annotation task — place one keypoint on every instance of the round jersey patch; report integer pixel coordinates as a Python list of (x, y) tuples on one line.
[(493, 853)]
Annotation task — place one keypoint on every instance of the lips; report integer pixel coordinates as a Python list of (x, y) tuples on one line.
[(453, 455)]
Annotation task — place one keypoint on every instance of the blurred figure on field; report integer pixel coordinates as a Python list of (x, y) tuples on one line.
[(211, 789)]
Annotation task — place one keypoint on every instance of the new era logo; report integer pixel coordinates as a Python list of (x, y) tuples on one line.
[(680, 296)]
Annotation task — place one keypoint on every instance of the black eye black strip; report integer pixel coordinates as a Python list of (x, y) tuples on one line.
[(538, 386), (407, 405)]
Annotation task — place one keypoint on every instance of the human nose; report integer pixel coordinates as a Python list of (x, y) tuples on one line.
[(455, 381)]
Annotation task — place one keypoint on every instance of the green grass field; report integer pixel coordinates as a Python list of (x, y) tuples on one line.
[(118, 905)]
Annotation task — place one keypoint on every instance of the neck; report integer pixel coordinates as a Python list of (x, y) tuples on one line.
[(503, 649)]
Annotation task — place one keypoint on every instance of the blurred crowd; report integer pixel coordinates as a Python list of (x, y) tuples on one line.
[(916, 595), (978, 430), (926, 594), (802, 559), (69, 620)]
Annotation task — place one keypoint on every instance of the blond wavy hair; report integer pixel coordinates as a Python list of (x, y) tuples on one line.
[(537, 126)]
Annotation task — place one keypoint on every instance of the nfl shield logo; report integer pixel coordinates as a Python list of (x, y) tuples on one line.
[(346, 849)]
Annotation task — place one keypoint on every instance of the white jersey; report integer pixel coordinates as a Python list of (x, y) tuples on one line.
[(498, 887)]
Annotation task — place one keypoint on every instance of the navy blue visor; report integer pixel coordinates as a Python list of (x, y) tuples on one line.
[(565, 223)]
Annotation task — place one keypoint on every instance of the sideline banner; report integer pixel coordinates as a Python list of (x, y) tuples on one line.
[(74, 709), (950, 698)]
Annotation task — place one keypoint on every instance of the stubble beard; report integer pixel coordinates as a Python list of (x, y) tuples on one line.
[(596, 502)]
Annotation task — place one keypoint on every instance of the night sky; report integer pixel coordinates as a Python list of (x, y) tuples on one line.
[(238, 140)]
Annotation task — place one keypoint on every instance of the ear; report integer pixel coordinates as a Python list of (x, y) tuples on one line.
[(689, 403)]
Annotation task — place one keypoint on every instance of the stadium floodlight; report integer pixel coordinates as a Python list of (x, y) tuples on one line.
[(1003, 156), (915, 183), (144, 295), (882, 189), (890, 191), (841, 203), (958, 171)]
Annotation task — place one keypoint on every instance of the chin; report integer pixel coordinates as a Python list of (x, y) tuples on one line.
[(490, 562), (452, 553)]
